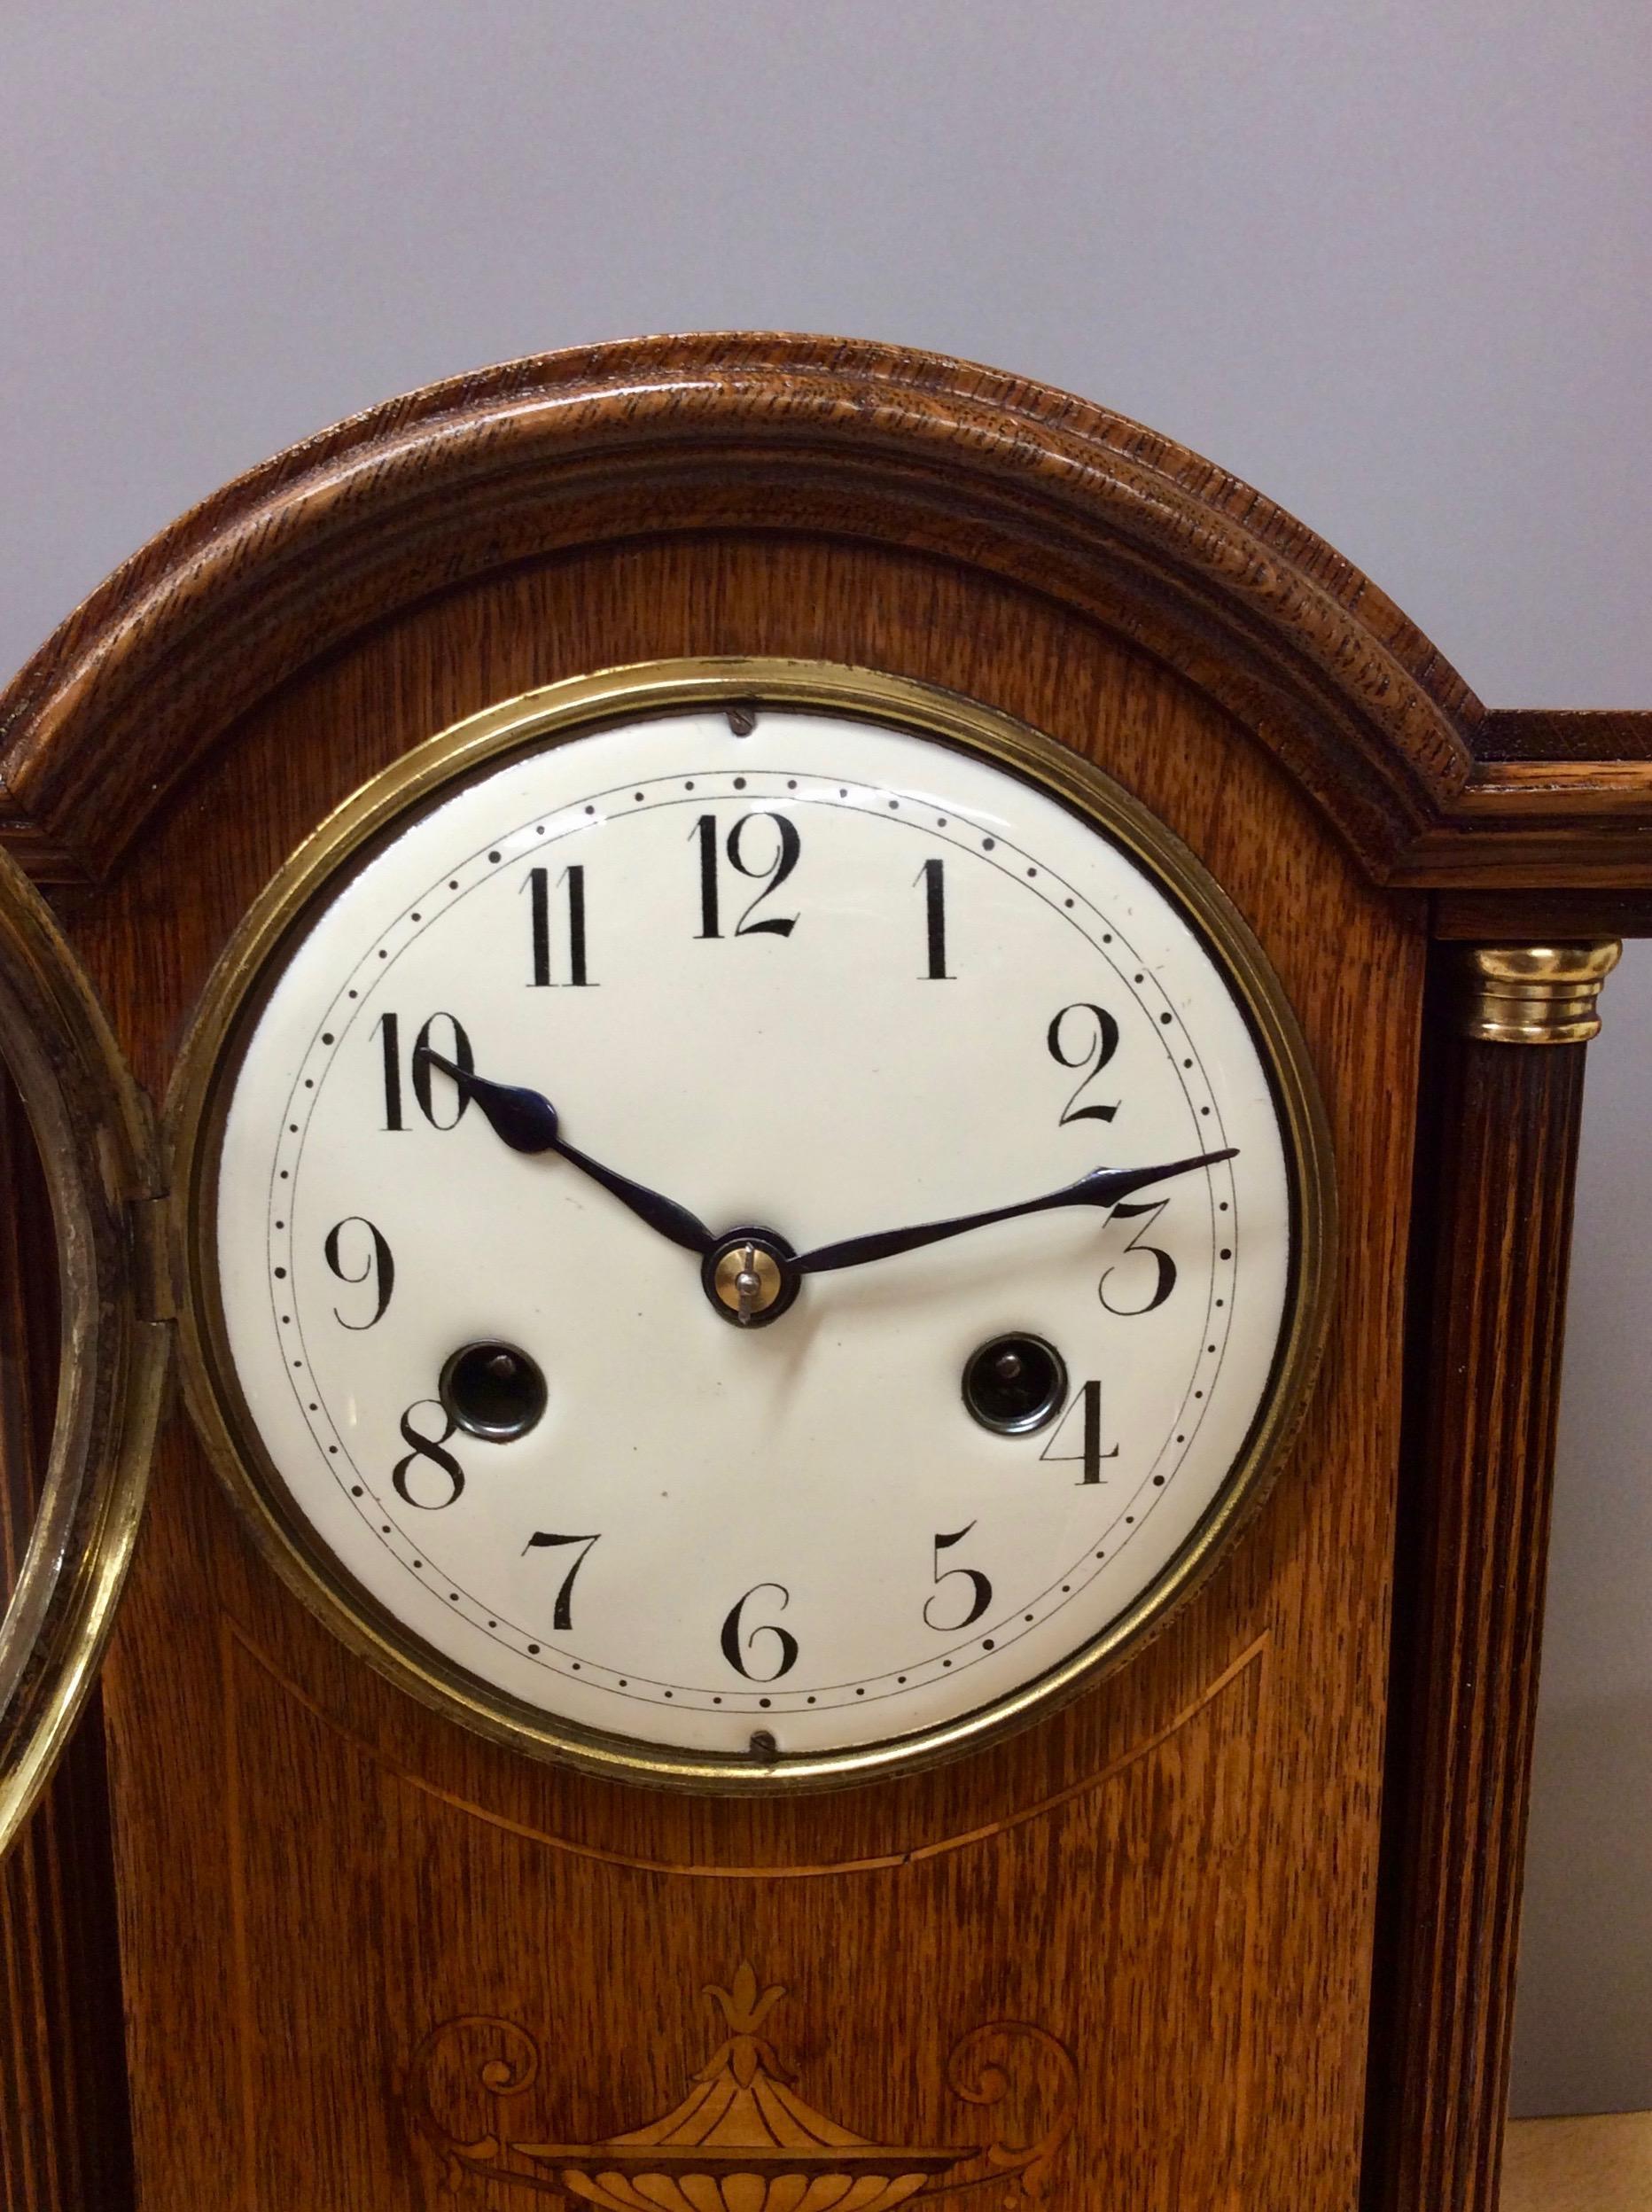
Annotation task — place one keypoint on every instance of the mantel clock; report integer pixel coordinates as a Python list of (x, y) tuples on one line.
[(787, 1139)]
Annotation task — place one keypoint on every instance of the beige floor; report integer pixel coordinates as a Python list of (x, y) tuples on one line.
[(1602, 2165)]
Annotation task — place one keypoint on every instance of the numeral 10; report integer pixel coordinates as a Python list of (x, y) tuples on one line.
[(389, 1028)]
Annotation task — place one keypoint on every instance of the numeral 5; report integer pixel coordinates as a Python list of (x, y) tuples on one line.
[(980, 1588)]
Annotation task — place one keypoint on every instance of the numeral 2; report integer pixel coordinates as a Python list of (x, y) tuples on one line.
[(1086, 1412), (538, 888), (1094, 1058), (771, 876)]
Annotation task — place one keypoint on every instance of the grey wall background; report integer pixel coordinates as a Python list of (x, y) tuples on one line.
[(1391, 264)]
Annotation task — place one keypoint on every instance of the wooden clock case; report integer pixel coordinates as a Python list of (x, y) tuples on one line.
[(1236, 1929)]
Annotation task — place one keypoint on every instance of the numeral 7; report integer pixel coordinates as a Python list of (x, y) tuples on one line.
[(542, 1539)]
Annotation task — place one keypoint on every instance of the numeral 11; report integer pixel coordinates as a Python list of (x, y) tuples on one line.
[(538, 917)]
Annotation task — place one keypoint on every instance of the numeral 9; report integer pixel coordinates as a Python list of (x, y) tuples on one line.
[(378, 1263)]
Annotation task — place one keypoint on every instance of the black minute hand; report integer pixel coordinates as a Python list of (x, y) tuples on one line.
[(527, 1122), (1102, 1187)]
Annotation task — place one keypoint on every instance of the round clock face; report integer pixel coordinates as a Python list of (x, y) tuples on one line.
[(755, 1238)]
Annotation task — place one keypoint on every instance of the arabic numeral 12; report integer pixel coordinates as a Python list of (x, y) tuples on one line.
[(744, 850)]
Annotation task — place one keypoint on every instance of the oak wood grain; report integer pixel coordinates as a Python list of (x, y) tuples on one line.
[(1497, 1163), (1175, 1877), (1527, 917)]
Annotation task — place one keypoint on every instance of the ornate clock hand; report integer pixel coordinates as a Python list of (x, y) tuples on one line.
[(1102, 1187), (527, 1122)]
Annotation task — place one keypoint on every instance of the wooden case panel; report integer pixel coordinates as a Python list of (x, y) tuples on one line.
[(1172, 1879)]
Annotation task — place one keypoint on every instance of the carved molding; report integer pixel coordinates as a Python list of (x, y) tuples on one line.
[(763, 433)]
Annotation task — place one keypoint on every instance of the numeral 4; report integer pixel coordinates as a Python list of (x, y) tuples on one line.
[(1081, 1427)]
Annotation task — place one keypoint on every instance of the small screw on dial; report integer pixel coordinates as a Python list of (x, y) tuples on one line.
[(1015, 1384), (493, 1390)]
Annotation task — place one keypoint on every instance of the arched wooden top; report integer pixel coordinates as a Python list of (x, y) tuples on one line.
[(782, 432)]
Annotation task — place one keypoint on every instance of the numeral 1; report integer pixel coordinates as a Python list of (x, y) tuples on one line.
[(538, 917), (932, 875), (705, 829), (389, 1028)]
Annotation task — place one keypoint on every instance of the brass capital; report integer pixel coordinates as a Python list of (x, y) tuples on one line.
[(1537, 994)]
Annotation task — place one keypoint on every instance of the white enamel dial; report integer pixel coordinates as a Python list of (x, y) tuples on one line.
[(817, 977)]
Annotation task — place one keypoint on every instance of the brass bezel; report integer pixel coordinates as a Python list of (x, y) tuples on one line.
[(97, 1148), (552, 715)]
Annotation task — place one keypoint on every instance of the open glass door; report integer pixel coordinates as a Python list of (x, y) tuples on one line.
[(76, 1518)]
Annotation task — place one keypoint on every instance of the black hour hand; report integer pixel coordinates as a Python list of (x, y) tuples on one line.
[(1102, 1187), (527, 1122)]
